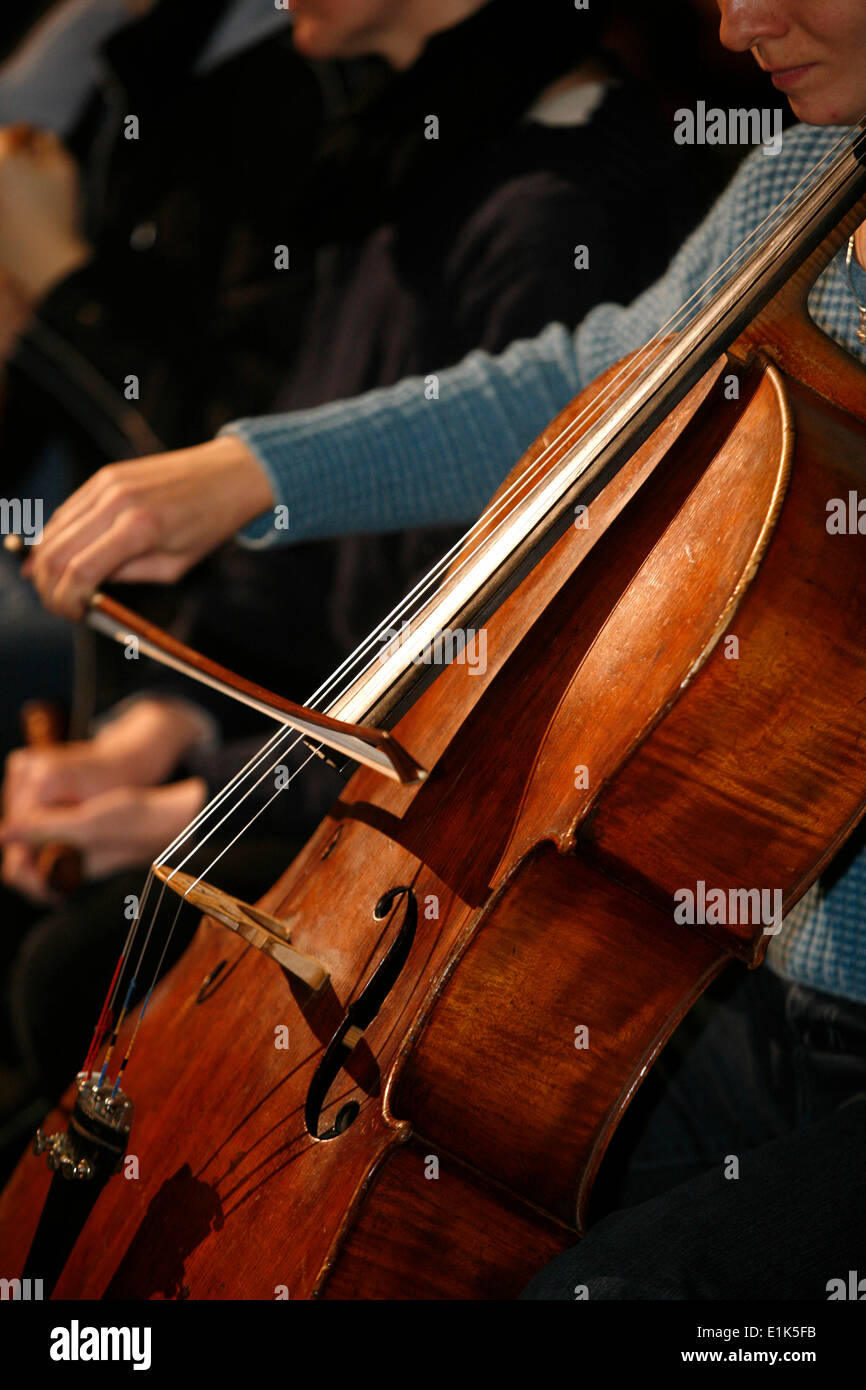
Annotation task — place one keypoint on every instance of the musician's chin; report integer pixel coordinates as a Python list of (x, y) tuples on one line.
[(821, 113), (815, 105)]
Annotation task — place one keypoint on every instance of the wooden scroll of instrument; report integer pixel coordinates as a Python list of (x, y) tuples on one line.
[(43, 723), (60, 866), (504, 950)]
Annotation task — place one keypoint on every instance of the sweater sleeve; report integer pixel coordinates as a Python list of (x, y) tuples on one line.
[(430, 451)]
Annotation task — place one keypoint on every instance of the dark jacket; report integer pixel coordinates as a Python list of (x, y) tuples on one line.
[(405, 254)]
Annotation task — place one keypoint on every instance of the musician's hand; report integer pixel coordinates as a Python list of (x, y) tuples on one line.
[(140, 747), (41, 240), (146, 521), (118, 829)]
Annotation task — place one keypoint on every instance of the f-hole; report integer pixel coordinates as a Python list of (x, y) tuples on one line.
[(360, 1015)]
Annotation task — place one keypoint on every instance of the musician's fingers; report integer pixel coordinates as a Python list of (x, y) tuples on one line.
[(146, 520), (116, 829), (19, 871), (155, 567), (45, 826), (59, 541), (62, 773), (102, 487), (84, 517), (84, 514), (28, 781), (69, 574)]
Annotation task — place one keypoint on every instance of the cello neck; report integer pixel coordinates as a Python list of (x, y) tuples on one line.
[(496, 556)]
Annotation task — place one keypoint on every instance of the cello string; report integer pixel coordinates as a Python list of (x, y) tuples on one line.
[(102, 1023), (171, 932), (117, 980), (130, 988), (127, 998), (233, 808), (243, 830), (216, 801), (143, 1010), (565, 434), (624, 374), (427, 581), (807, 178), (115, 985), (114, 989), (358, 656)]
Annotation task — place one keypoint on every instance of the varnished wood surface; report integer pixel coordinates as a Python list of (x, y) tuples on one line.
[(776, 751), (544, 918)]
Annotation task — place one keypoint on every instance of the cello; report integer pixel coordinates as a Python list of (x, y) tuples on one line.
[(396, 1075)]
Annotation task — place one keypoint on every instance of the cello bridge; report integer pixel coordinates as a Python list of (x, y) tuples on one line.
[(268, 934)]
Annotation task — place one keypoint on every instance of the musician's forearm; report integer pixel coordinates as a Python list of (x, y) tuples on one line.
[(148, 738), (405, 457)]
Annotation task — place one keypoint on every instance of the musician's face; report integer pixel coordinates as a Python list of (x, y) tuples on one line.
[(815, 49), (393, 29)]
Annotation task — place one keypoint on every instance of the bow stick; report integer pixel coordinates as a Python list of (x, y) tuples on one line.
[(375, 748)]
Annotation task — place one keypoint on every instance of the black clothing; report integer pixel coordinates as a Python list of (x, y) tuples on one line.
[(715, 1185)]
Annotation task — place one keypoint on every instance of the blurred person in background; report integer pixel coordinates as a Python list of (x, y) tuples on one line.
[(406, 251)]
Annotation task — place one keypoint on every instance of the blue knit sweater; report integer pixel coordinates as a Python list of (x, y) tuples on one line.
[(397, 458)]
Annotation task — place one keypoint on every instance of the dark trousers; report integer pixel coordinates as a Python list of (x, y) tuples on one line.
[(739, 1171)]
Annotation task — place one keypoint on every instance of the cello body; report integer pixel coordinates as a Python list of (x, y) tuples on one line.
[(674, 696)]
